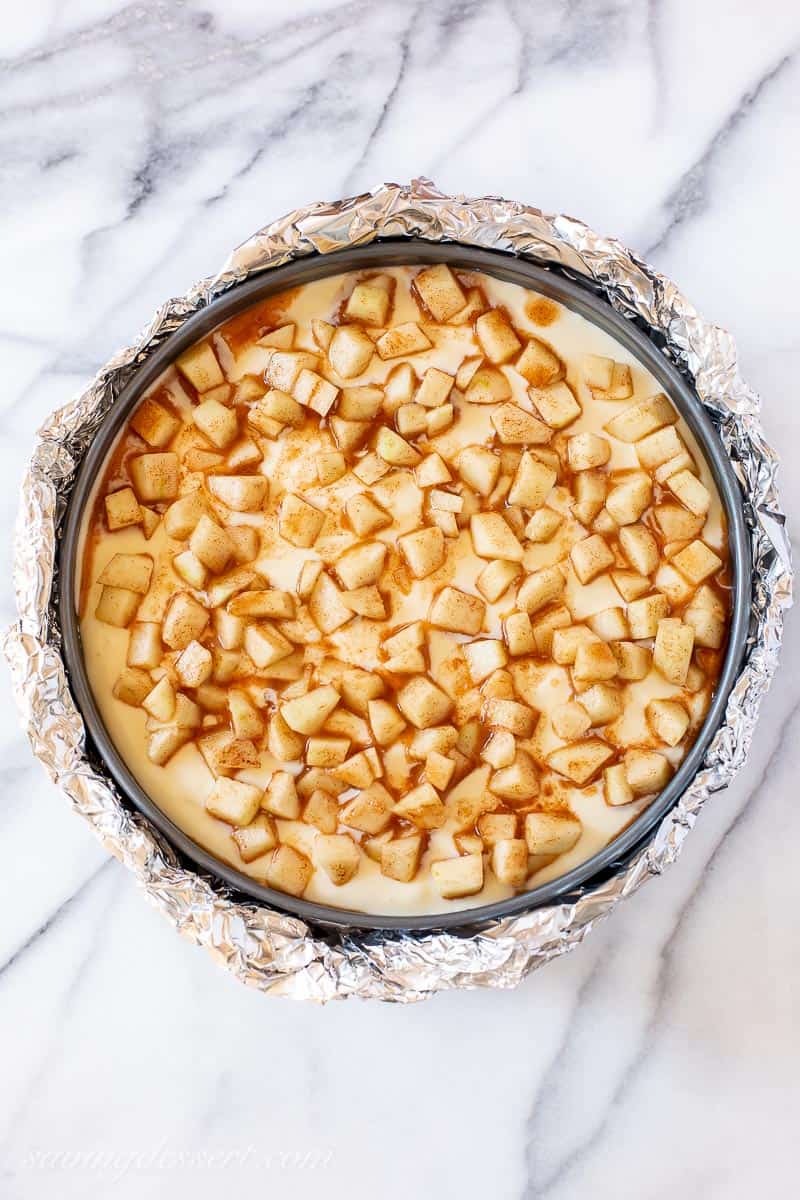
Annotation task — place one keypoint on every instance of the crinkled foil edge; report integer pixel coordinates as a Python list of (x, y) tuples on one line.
[(267, 949)]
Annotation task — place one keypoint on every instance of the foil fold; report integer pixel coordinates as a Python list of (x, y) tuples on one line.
[(268, 949)]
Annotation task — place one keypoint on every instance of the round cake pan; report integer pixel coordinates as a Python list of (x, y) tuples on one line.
[(550, 282)]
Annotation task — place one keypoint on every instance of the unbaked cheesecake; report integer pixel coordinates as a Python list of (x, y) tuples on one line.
[(404, 591)]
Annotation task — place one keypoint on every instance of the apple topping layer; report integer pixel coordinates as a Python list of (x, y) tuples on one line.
[(404, 591)]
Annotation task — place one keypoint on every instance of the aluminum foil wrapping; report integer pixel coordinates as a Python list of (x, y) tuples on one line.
[(265, 948)]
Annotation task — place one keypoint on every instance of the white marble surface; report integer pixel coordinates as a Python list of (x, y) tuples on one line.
[(139, 142)]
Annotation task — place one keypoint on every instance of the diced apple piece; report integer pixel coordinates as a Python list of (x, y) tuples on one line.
[(132, 686), (516, 427), (365, 602), (691, 492), (570, 720), (255, 839), (511, 715), (697, 562), (412, 420), (598, 372), (439, 419), (539, 364), (368, 303), (117, 606), (603, 703), (245, 717), (210, 545), (586, 451), (542, 525), (440, 292), (423, 807), (457, 611), (190, 569), (285, 367), (668, 720), (199, 365), (532, 483), (266, 645), (645, 614), (233, 801), (439, 770), (315, 392), (399, 388), (194, 665), (497, 339), (184, 621), (675, 587), (154, 477), (399, 859), (370, 811), (483, 657), (365, 515), (289, 871), (633, 661), (610, 624), (591, 557), (281, 406), (432, 471), (647, 771), (706, 615), (216, 422), (434, 388), (479, 468), (423, 703), (580, 761), (492, 538), (675, 523), (556, 405), (131, 571), (487, 386), (122, 509), (549, 833), (402, 340), (658, 448), (566, 642), (517, 783), (616, 788), (496, 578), (519, 634), (154, 423), (594, 661), (395, 450), (590, 493), (144, 645), (299, 522), (360, 403), (280, 797), (672, 652), (182, 516), (639, 547), (163, 743), (307, 714), (241, 493), (350, 351), (423, 550), (540, 588), (359, 687), (458, 877), (362, 565), (326, 751), (385, 721), (338, 856), (627, 501), (500, 749), (546, 626), (641, 419), (269, 602), (370, 469), (509, 861)]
